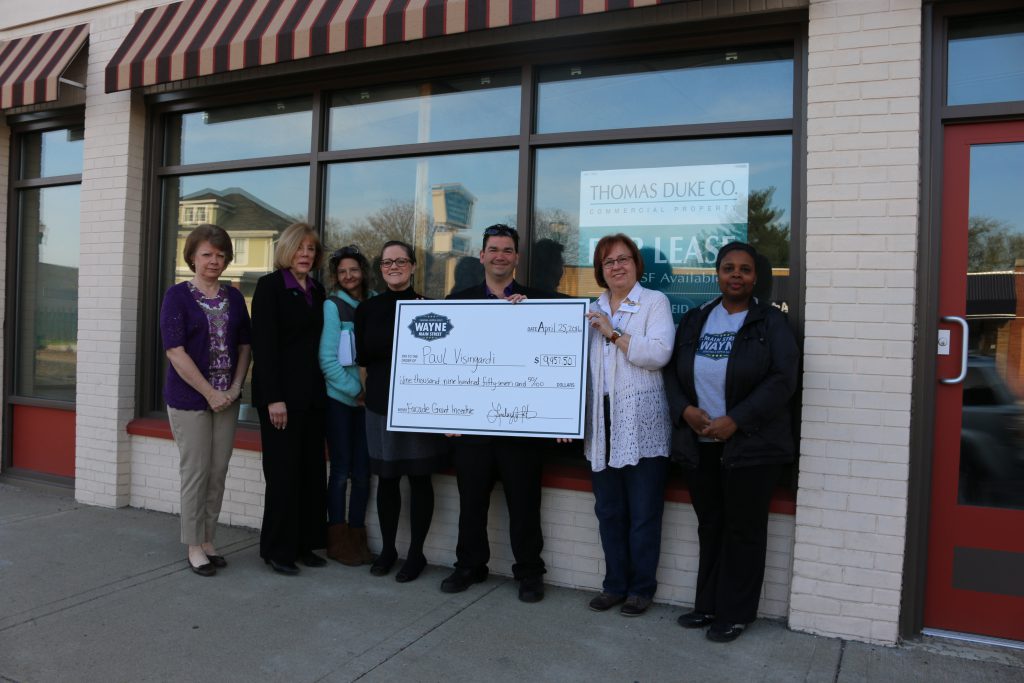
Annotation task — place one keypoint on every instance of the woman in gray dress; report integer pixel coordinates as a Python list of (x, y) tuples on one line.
[(394, 454)]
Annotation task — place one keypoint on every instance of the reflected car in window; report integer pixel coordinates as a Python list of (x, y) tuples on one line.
[(991, 439)]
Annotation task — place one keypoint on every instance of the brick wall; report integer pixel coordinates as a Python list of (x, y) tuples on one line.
[(572, 548), (108, 278), (863, 104)]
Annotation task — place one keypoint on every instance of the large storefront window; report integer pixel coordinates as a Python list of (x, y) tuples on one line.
[(712, 87), (48, 253), (483, 105), (985, 58), (680, 201), (436, 160), (439, 204), (48, 293), (249, 131)]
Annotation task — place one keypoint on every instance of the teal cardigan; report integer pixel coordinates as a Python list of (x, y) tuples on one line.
[(342, 380)]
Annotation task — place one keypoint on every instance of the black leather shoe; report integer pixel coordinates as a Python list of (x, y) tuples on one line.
[(695, 619), (635, 605), (605, 601), (461, 579), (217, 561), (286, 568), (411, 569), (205, 569), (311, 559), (382, 565), (724, 633), (531, 590)]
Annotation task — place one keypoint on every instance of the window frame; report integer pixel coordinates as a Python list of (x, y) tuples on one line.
[(791, 29), (21, 126)]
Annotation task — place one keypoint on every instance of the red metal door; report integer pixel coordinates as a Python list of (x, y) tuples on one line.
[(975, 580)]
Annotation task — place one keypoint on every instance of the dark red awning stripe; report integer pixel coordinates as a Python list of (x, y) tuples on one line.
[(31, 67), (201, 37)]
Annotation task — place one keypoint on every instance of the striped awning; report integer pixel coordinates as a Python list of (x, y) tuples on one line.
[(202, 37), (31, 67)]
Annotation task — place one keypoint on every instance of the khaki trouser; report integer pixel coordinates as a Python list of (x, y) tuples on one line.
[(205, 440)]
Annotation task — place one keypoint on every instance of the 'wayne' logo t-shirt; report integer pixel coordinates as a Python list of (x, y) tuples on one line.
[(712, 358)]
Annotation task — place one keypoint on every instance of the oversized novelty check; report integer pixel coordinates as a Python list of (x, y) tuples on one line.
[(490, 367)]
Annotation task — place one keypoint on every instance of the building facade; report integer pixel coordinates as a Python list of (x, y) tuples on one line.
[(869, 148)]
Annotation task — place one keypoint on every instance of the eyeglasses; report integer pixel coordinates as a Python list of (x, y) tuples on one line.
[(612, 262), (503, 230), (400, 262)]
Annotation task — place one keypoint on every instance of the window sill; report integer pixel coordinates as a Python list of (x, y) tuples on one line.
[(556, 475)]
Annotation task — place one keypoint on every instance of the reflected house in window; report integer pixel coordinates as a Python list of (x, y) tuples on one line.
[(995, 308), (252, 223), (453, 215)]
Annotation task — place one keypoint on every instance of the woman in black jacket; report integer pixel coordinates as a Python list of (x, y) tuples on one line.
[(729, 384), (290, 397)]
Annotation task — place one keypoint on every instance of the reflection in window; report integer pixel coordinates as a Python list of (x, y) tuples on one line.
[(483, 105), (253, 206), (246, 131), (723, 85), (674, 199), (47, 333), (985, 58), (439, 204), (52, 153)]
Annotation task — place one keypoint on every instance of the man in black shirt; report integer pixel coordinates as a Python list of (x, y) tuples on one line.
[(479, 460)]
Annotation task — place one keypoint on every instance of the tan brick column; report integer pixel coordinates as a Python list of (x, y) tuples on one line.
[(862, 222), (108, 278)]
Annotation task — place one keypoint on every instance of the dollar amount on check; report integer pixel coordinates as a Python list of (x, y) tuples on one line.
[(490, 367)]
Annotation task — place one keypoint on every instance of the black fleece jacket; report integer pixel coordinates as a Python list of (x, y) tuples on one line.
[(760, 381)]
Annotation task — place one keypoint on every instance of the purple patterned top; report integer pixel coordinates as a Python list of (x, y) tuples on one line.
[(185, 324), (216, 310)]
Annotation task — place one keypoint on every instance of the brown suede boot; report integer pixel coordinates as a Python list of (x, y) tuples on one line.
[(337, 540), (360, 545), (350, 555)]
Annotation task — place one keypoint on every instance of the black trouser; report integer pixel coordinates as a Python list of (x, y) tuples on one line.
[(478, 462), (732, 525), (294, 510)]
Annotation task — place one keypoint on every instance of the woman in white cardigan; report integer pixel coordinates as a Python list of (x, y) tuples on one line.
[(627, 431)]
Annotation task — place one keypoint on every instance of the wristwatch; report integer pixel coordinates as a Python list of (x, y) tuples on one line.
[(616, 333)]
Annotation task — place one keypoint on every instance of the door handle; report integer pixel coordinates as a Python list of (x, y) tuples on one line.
[(957, 320)]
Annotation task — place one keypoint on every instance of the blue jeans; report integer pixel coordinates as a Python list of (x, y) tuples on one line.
[(350, 459), (629, 502)]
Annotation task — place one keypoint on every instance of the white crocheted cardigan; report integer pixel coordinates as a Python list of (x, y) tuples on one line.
[(640, 421)]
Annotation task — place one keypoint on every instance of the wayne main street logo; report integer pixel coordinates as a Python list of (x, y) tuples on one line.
[(430, 327)]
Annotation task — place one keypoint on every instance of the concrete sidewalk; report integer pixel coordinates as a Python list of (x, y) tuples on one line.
[(92, 594)]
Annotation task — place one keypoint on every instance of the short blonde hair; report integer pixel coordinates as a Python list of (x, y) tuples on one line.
[(290, 241)]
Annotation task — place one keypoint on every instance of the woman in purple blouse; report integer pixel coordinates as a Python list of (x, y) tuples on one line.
[(205, 330)]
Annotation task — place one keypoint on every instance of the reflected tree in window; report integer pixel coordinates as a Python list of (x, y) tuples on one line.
[(992, 244)]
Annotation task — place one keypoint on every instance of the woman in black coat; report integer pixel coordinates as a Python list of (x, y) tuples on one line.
[(729, 383), (290, 398)]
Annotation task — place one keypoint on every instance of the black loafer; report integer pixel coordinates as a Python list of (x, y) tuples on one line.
[(411, 569), (217, 561), (695, 619), (724, 633), (382, 565), (461, 579), (605, 601), (205, 569), (286, 568), (531, 590), (311, 559)]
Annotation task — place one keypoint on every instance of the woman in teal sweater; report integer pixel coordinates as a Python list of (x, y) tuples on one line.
[(346, 420)]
